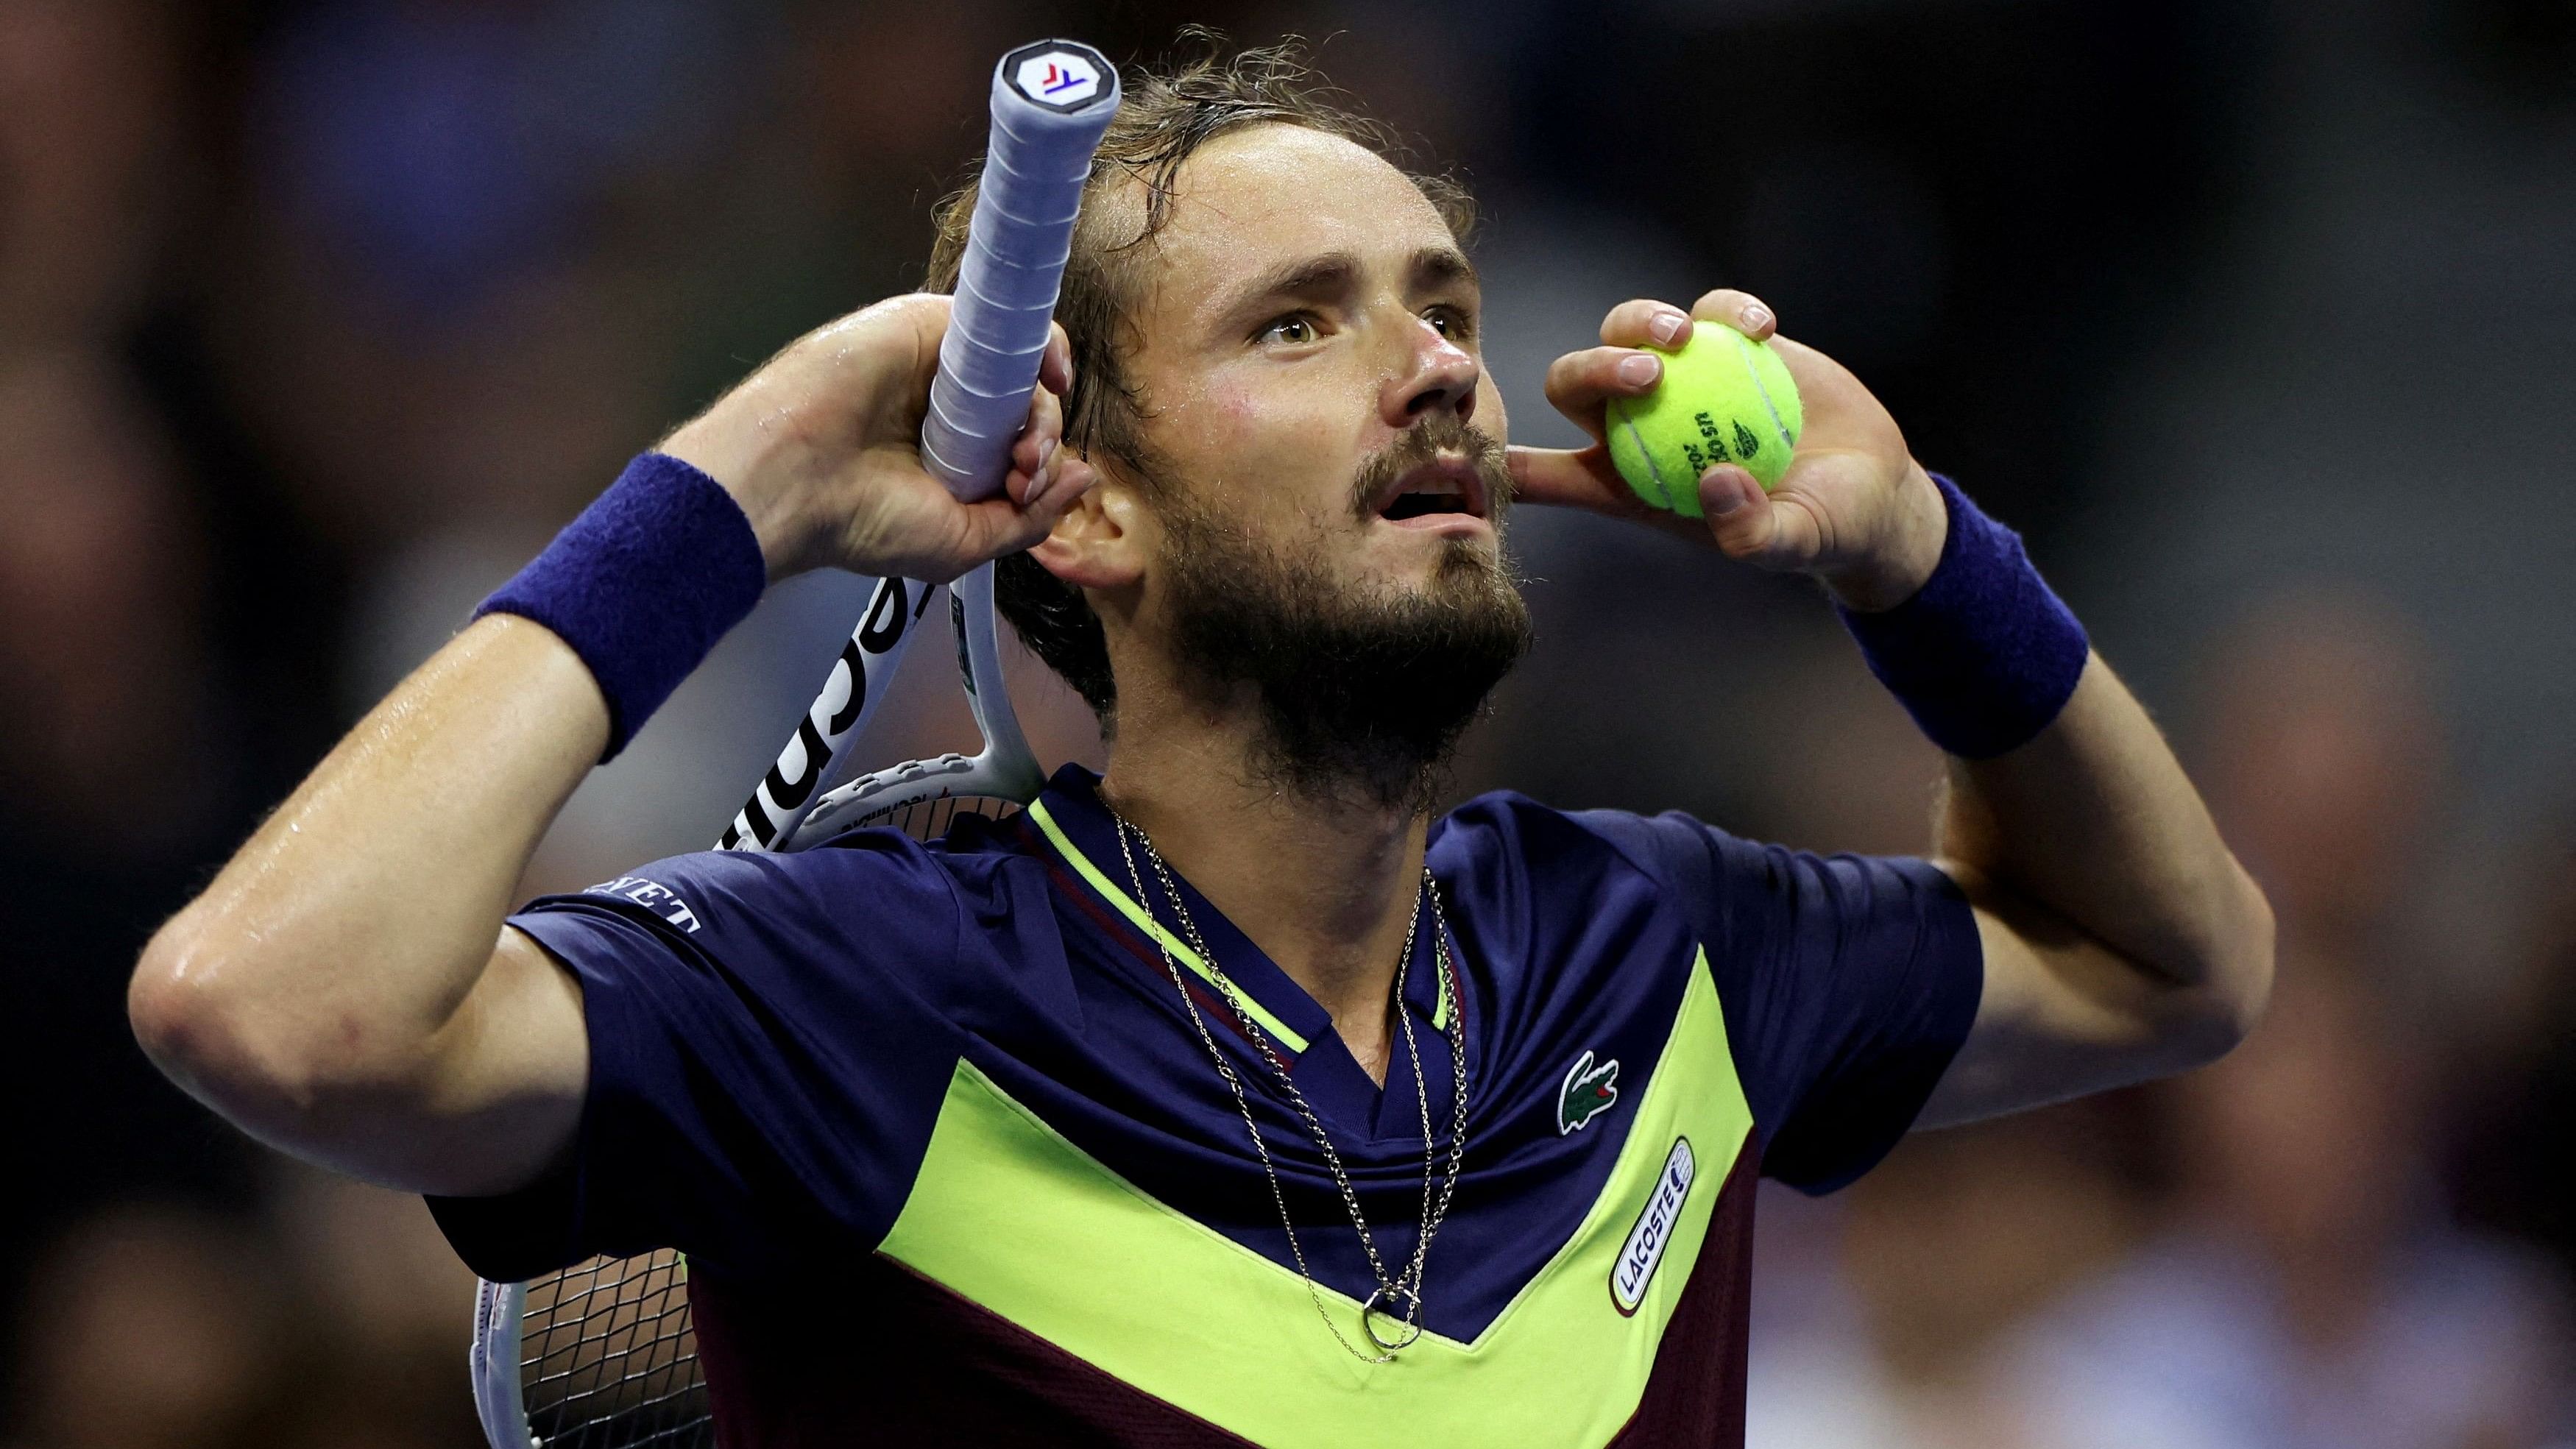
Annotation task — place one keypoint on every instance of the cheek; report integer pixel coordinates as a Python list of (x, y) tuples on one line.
[(1283, 452), (1236, 413), (1269, 420)]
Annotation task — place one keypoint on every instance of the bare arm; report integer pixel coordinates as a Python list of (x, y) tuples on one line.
[(338, 992), (345, 990), (2121, 939)]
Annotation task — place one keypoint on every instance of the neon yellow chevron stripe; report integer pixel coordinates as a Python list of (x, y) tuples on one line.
[(1135, 912), (1012, 1216), (1128, 906)]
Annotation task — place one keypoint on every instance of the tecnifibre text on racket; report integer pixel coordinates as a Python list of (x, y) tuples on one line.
[(602, 1355)]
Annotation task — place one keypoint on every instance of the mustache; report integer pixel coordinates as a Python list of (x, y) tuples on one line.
[(1423, 443)]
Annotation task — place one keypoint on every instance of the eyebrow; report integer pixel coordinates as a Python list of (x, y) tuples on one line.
[(1310, 277), (1440, 265), (1433, 266)]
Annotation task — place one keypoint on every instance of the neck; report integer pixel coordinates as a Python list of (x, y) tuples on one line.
[(1325, 886)]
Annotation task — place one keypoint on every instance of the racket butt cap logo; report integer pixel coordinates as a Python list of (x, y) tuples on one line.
[(1057, 74)]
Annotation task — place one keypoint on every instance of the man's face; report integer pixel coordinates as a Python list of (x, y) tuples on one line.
[(1308, 334), (1326, 457)]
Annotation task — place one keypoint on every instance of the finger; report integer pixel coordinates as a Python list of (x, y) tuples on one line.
[(1646, 323), (1587, 480), (1579, 383), (1036, 446), (1055, 369), (925, 315), (1568, 478), (996, 526), (1740, 310), (1768, 531)]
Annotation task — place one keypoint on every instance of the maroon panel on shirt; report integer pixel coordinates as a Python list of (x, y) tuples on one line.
[(1695, 1396), (889, 1357)]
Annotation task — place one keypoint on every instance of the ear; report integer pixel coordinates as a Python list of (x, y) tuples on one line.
[(1102, 541)]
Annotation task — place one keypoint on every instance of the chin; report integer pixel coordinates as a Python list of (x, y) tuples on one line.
[(1473, 561)]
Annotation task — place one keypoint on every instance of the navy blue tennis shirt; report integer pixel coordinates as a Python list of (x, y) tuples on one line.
[(951, 1163)]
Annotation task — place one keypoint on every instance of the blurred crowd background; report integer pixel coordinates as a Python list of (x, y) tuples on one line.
[(2259, 319)]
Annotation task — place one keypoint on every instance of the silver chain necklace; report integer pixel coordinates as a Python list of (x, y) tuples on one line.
[(1405, 1289)]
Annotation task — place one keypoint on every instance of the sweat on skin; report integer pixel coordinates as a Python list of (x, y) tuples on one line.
[(337, 990)]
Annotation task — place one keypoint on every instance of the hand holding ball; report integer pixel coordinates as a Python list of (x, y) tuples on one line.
[(1723, 398)]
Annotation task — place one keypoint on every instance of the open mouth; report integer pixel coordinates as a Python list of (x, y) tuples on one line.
[(1446, 485), (1415, 505)]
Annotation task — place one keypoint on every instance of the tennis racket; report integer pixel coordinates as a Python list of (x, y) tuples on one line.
[(603, 1355)]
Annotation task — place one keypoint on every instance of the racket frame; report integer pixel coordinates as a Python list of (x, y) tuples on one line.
[(500, 1395), (966, 445), (1004, 769)]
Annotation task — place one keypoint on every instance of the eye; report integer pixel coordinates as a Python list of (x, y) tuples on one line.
[(1451, 322), (1294, 330)]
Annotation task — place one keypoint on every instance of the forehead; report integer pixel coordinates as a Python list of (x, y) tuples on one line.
[(1252, 199)]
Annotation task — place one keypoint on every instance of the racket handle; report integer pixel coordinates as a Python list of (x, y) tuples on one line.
[(1051, 103)]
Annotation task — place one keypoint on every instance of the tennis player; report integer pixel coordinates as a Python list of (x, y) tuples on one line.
[(1234, 1095)]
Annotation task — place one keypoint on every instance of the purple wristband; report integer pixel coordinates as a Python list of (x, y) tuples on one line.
[(643, 584), (1984, 655)]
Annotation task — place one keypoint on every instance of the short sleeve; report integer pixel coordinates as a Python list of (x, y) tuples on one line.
[(1849, 983), (764, 1068)]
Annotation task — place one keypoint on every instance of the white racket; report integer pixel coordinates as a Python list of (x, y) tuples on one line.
[(602, 1355)]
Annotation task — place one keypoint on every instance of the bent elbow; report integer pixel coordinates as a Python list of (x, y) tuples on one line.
[(175, 1017), (2234, 986), (190, 1021), (203, 1013), (2244, 978)]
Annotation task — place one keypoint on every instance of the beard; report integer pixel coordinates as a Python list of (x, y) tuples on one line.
[(1362, 692)]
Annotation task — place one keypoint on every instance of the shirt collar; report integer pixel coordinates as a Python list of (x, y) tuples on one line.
[(1078, 828)]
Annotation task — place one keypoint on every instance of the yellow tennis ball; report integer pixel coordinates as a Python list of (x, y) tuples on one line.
[(1723, 398)]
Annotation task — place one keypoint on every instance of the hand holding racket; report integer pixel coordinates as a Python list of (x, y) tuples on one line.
[(981, 414), (822, 448), (1051, 103), (916, 442)]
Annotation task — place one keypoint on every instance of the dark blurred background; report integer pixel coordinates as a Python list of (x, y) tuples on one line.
[(2260, 320)]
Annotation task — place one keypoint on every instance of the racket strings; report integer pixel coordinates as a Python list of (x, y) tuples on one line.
[(928, 820), (609, 1356)]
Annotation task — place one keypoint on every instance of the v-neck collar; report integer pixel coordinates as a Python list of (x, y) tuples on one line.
[(1079, 829)]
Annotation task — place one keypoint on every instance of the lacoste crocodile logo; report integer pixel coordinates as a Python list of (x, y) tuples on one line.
[(1589, 1091)]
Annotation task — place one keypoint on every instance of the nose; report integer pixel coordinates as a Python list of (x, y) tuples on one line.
[(1437, 374)]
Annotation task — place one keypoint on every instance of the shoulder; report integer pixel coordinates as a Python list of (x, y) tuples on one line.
[(1508, 824), (890, 878), (869, 905), (870, 922), (1662, 845), (1566, 896), (1675, 855)]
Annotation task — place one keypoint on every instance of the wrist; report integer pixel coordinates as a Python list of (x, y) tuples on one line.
[(1983, 655), (643, 584), (1897, 570), (754, 452)]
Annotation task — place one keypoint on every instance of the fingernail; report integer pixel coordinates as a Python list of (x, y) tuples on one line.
[(1668, 324), (1755, 316), (1044, 480), (1729, 497), (1640, 370)]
